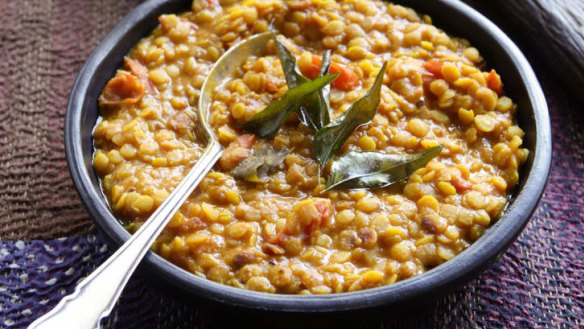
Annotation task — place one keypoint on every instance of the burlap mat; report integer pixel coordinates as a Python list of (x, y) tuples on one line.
[(43, 43)]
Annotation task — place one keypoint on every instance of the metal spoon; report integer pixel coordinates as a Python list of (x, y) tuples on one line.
[(96, 295)]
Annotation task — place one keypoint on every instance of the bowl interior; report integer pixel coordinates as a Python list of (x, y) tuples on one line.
[(452, 16)]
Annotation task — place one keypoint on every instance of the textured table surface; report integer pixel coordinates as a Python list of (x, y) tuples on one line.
[(47, 242)]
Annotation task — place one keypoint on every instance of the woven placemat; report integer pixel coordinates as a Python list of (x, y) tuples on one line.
[(43, 43)]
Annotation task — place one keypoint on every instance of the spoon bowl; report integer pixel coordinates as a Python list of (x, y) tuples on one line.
[(226, 65), (223, 69)]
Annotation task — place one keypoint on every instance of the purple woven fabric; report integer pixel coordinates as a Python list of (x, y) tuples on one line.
[(36, 274)]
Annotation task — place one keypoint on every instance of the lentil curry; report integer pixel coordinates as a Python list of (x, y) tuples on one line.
[(284, 234)]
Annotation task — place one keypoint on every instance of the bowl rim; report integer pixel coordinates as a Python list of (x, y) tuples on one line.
[(438, 280)]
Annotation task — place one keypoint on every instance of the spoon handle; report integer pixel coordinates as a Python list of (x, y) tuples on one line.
[(97, 294)]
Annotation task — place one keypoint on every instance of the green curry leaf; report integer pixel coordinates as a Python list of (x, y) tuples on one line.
[(314, 111), (288, 62), (329, 139), (322, 102), (256, 168), (376, 170), (267, 122)]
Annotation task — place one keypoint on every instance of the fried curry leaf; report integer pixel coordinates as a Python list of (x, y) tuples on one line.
[(256, 168), (325, 93), (314, 111), (267, 122), (331, 138), (376, 170), (288, 62)]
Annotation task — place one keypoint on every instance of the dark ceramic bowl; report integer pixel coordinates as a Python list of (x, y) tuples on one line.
[(451, 15)]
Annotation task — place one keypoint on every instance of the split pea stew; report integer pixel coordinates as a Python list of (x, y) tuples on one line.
[(402, 158)]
